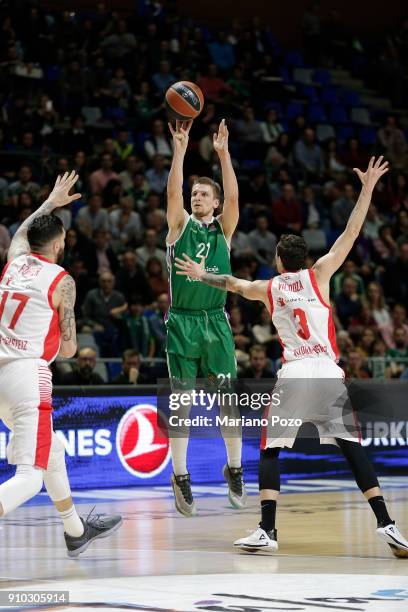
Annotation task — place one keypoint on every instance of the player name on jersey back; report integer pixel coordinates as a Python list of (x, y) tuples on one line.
[(302, 319), (29, 326)]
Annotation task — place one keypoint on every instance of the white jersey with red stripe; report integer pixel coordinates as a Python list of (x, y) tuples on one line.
[(29, 325), (302, 319)]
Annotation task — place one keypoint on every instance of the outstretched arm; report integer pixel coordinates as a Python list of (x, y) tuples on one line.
[(230, 213), (252, 290), (57, 198), (327, 265), (175, 202), (65, 295)]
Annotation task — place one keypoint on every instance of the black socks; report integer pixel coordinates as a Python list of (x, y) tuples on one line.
[(380, 510), (268, 509)]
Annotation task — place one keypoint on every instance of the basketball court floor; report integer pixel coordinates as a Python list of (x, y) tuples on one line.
[(329, 556)]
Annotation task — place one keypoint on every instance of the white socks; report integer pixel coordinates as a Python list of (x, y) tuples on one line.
[(73, 525), (178, 448)]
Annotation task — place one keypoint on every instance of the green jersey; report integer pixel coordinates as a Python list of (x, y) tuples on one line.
[(197, 240)]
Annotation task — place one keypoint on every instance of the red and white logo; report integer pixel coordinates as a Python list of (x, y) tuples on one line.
[(142, 448)]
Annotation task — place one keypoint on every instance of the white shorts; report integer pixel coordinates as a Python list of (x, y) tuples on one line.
[(309, 390), (25, 408)]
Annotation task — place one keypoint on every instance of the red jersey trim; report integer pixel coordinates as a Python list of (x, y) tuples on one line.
[(38, 256), (44, 436), (316, 288), (331, 330), (52, 339), (269, 292), (4, 270)]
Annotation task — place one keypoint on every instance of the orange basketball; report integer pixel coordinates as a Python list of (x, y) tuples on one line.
[(184, 100)]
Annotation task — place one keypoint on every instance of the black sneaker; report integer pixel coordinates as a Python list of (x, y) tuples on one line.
[(236, 488), (95, 526), (183, 497)]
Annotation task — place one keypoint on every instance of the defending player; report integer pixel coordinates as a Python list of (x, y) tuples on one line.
[(37, 323), (298, 300), (199, 337)]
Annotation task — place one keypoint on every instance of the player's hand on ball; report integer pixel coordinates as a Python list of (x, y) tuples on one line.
[(180, 134), (220, 138), (188, 267), (375, 170), (59, 196)]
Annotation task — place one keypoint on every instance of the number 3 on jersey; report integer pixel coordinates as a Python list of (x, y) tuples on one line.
[(303, 331), (22, 299)]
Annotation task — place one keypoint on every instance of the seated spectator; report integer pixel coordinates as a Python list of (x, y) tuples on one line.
[(120, 43), (312, 210), (75, 248), (24, 184), (125, 223), (240, 245), (133, 166), (163, 78), (92, 217), (104, 306), (396, 276), (366, 344), (214, 87), (131, 279), (372, 223), (356, 366), (131, 373), (157, 221), (347, 302), (100, 177), (156, 276), (158, 143), (123, 147), (101, 257), (344, 345), (4, 242), (354, 156), (83, 374), (271, 129), (401, 227), (206, 146), (258, 364), (287, 212), (362, 321), (157, 175), (222, 52), (240, 330), (77, 138), (139, 191), (348, 270), (392, 139), (342, 207), (138, 329), (262, 241), (248, 128), (149, 249), (158, 326), (384, 247), (120, 92), (308, 154), (264, 333), (334, 167), (23, 214), (398, 319), (379, 308), (257, 190), (145, 107), (241, 88)]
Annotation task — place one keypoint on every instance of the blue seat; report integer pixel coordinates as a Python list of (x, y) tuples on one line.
[(338, 115), (349, 97), (272, 104), (310, 93), (344, 132), (114, 369), (368, 135), (284, 75), (321, 76), (294, 59), (294, 109), (328, 95), (52, 72), (316, 114)]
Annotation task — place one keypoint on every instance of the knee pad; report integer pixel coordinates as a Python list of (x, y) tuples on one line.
[(31, 478), (269, 473)]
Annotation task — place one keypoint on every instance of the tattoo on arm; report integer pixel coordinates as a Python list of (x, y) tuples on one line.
[(224, 282), (67, 322)]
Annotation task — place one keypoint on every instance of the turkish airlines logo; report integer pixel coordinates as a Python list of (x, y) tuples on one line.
[(142, 448)]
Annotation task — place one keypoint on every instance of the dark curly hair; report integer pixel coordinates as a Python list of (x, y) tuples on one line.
[(293, 252), (42, 230)]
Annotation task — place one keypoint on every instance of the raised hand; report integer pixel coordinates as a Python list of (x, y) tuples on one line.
[(220, 138), (59, 196), (188, 267), (375, 170), (180, 135)]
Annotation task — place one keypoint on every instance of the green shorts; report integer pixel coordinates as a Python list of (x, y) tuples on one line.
[(200, 345)]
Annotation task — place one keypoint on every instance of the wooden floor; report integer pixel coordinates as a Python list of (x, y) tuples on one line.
[(326, 540)]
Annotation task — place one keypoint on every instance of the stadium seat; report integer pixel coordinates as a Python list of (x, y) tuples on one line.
[(321, 76), (368, 135), (114, 369), (303, 75), (360, 116), (92, 114), (294, 59), (310, 93), (316, 114), (324, 131), (338, 115), (349, 97), (294, 109), (328, 95), (344, 132)]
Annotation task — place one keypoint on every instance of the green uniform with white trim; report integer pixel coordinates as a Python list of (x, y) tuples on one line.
[(199, 337)]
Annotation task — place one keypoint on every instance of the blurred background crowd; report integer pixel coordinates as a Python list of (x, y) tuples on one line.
[(85, 91)]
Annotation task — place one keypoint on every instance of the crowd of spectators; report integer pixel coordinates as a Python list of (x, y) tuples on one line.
[(85, 91)]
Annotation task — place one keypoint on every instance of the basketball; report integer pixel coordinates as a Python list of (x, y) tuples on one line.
[(184, 100)]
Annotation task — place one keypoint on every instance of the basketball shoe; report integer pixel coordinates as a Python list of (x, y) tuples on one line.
[(236, 489), (183, 498), (394, 539), (95, 526), (259, 540)]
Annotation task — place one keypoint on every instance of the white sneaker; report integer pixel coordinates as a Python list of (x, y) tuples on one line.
[(259, 540), (396, 541), (183, 498)]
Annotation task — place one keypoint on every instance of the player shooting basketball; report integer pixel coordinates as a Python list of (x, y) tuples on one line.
[(199, 337), (298, 300), (37, 323)]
